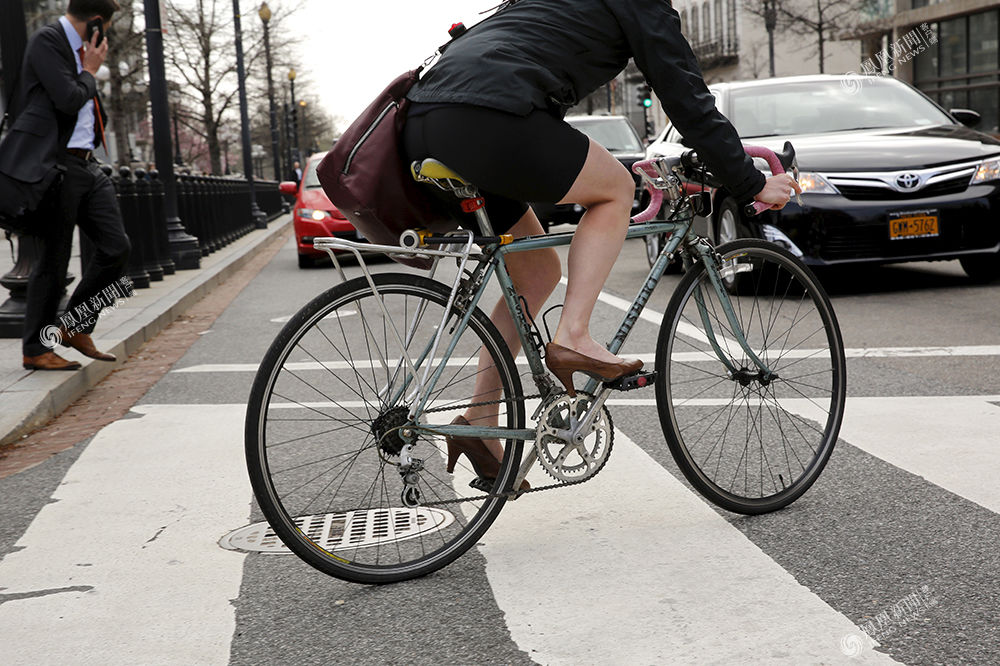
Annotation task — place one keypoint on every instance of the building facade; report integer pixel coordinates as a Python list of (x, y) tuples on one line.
[(731, 42), (957, 63)]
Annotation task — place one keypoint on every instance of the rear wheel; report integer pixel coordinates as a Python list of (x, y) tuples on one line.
[(750, 442), (326, 439)]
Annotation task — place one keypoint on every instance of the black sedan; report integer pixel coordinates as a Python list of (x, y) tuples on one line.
[(887, 175), (617, 135)]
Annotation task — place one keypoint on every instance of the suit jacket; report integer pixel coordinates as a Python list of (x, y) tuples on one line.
[(49, 99)]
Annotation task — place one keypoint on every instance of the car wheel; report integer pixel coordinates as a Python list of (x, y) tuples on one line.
[(305, 261), (729, 227), (654, 243), (982, 267), (727, 223)]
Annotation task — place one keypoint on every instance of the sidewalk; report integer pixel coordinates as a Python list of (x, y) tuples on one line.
[(28, 399)]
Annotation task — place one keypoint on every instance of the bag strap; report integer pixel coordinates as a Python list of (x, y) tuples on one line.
[(458, 30)]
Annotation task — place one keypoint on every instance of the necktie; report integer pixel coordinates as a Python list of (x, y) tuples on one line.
[(98, 122)]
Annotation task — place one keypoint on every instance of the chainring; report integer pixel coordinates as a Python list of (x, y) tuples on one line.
[(566, 460)]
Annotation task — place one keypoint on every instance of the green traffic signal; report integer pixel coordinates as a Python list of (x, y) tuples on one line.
[(646, 102)]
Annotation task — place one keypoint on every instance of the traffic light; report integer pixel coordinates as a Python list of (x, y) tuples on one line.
[(645, 95)]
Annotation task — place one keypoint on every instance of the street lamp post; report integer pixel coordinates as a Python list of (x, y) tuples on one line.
[(295, 120), (259, 219), (265, 17), (184, 249), (305, 125)]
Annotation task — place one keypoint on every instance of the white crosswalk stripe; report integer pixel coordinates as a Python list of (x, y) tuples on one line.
[(127, 553), (135, 527)]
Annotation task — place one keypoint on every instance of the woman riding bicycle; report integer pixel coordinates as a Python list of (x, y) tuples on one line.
[(492, 110)]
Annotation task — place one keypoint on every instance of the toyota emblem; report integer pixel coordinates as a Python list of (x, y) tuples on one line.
[(907, 181)]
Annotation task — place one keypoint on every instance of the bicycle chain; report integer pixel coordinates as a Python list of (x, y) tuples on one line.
[(510, 494)]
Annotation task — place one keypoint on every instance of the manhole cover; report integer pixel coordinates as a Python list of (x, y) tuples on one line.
[(337, 531)]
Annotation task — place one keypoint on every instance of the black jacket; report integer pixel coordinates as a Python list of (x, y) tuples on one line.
[(549, 54), (50, 97)]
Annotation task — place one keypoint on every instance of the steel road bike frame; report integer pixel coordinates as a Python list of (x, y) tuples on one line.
[(416, 386)]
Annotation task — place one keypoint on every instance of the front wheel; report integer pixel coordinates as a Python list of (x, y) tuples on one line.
[(982, 268), (327, 443), (749, 440)]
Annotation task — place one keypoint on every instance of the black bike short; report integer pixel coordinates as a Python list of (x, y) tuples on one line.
[(511, 159)]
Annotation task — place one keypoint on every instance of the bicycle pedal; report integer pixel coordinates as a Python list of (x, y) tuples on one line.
[(632, 382), (479, 483)]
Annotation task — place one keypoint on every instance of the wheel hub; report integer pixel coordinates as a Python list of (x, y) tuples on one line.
[(745, 377)]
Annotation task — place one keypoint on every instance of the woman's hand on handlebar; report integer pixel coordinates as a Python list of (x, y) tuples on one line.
[(778, 190)]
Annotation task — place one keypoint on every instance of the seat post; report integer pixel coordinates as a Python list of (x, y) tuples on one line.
[(484, 221)]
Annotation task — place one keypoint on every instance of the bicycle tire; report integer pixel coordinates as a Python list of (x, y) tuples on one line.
[(282, 452), (706, 411)]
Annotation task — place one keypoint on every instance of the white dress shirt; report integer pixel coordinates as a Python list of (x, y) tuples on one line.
[(84, 136)]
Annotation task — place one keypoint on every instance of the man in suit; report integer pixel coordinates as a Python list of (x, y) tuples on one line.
[(59, 122)]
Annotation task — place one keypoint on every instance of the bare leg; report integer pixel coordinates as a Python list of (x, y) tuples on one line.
[(535, 274), (606, 189)]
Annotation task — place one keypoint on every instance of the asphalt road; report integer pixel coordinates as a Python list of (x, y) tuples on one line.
[(110, 550)]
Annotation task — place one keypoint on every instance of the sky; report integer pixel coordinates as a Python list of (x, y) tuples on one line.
[(352, 49)]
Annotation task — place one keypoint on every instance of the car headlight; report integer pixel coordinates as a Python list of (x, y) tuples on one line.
[(988, 170), (309, 213), (813, 183)]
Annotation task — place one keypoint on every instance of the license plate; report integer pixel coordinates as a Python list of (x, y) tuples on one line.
[(913, 224)]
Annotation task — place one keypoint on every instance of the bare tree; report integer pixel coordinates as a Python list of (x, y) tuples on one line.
[(820, 19), (198, 52), (126, 62), (755, 60)]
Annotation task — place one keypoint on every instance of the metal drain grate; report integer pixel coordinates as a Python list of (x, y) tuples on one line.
[(337, 531)]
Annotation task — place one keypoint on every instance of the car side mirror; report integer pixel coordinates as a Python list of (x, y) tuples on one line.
[(288, 187), (967, 117)]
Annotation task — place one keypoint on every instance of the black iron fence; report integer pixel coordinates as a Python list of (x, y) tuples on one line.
[(215, 210)]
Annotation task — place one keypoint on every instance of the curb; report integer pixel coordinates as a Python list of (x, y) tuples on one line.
[(43, 396)]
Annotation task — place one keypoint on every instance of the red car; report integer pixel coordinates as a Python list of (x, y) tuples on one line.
[(314, 216)]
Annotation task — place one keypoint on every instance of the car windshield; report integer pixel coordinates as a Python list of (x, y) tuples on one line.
[(830, 106), (615, 134), (311, 179)]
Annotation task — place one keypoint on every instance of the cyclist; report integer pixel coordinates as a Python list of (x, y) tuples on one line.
[(492, 109)]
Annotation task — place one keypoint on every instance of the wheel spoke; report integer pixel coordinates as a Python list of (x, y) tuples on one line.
[(325, 431), (750, 447)]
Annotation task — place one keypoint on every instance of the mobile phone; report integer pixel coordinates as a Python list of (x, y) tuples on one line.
[(95, 25)]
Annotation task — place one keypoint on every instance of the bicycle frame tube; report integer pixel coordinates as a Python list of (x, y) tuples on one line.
[(727, 307)]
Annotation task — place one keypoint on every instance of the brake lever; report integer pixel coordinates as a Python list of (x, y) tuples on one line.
[(795, 175)]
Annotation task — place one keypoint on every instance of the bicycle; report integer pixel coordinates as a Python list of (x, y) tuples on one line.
[(347, 414)]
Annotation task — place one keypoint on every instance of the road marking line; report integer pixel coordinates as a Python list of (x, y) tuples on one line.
[(137, 519), (636, 543), (646, 357), (949, 440)]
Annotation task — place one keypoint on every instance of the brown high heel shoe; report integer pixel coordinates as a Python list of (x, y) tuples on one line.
[(563, 362), (483, 462)]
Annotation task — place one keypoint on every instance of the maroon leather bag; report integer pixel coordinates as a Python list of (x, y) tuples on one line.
[(368, 179)]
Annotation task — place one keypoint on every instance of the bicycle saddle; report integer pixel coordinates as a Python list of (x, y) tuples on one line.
[(430, 170)]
